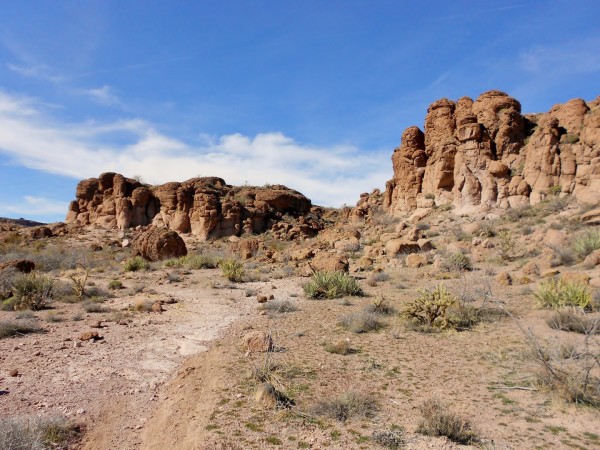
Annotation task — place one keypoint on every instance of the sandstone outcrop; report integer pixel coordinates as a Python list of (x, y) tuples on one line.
[(206, 207), (485, 154)]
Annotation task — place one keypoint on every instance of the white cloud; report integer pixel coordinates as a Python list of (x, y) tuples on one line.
[(329, 175), (30, 206), (37, 71), (103, 95)]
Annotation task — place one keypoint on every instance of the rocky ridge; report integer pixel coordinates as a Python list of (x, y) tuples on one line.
[(482, 154), (205, 207)]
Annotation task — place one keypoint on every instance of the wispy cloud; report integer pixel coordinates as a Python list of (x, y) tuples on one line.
[(37, 71), (329, 175), (103, 95), (31, 206), (575, 56)]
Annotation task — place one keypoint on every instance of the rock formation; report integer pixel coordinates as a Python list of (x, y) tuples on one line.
[(484, 154), (206, 207)]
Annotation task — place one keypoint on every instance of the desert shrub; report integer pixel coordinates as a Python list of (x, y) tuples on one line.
[(571, 373), (506, 244), (340, 348), (380, 306), (349, 404), (232, 269), (430, 307), (570, 138), (556, 293), (457, 262), (361, 322), (90, 306), (16, 328), (115, 284), (143, 306), (572, 319), (439, 421), (465, 316), (392, 439), (136, 263), (487, 229), (32, 291), (332, 285), (562, 256), (79, 279), (192, 262), (279, 306), (586, 242), (37, 433)]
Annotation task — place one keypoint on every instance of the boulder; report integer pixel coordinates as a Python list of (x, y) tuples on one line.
[(22, 265), (327, 262), (394, 247), (415, 260), (157, 244)]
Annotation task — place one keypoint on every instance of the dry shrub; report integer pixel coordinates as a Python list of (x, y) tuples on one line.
[(143, 306), (340, 348), (279, 306), (380, 306), (573, 319), (37, 433), (439, 421), (392, 439), (18, 328), (572, 373), (361, 322), (347, 405)]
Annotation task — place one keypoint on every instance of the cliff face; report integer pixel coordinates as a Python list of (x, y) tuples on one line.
[(206, 207), (485, 154)]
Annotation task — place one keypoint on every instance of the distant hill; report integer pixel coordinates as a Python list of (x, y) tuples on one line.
[(22, 222)]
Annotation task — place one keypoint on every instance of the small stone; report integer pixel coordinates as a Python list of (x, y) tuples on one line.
[(261, 299), (157, 307), (90, 336), (13, 373), (258, 341), (504, 279), (81, 411)]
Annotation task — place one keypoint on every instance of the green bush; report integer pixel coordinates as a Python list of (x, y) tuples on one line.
[(332, 285), (556, 293), (431, 307), (136, 263), (457, 262), (115, 284), (232, 269), (32, 291), (192, 262), (586, 242)]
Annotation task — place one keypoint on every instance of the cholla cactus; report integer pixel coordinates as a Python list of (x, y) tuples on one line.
[(431, 307)]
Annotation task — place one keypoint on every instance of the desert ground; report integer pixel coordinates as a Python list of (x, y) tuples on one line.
[(179, 359)]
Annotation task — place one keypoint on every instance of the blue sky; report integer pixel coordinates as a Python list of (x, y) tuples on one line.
[(311, 94)]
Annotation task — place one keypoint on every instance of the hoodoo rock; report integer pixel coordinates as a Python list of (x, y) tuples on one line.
[(485, 154), (206, 207)]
